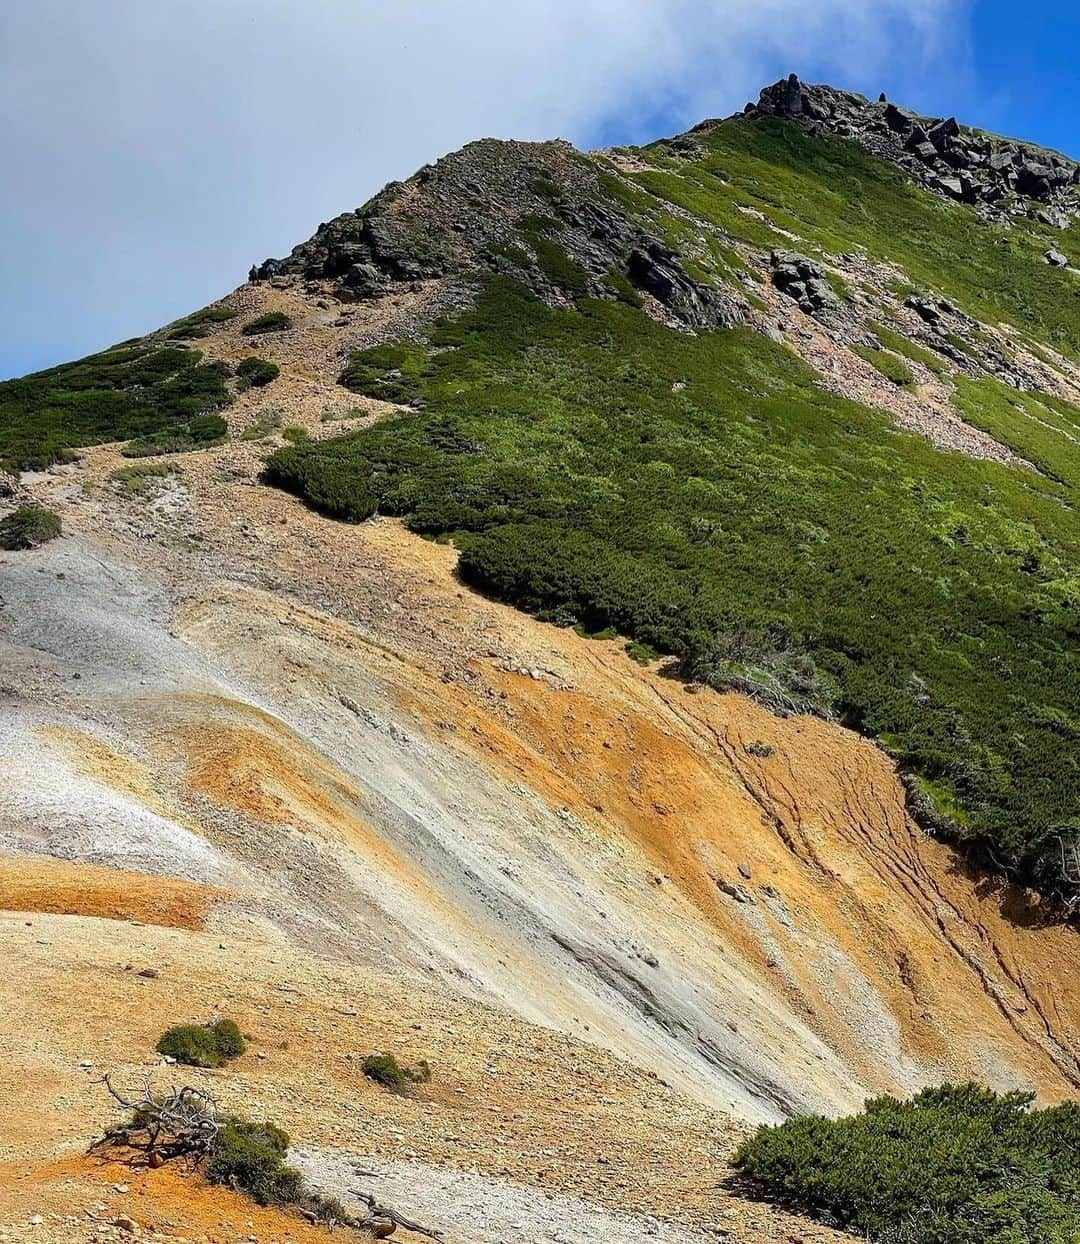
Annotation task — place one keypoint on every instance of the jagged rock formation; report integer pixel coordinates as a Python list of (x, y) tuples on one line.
[(1000, 176), (802, 279), (532, 210)]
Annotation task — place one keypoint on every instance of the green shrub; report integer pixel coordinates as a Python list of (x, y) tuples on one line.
[(201, 433), (391, 373), (250, 1157), (254, 372), (198, 325), (954, 1165), (134, 478), (203, 1045), (890, 366), (385, 1069), (271, 322), (127, 392), (269, 421), (28, 526)]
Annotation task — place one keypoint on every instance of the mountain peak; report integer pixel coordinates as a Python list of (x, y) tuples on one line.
[(999, 176)]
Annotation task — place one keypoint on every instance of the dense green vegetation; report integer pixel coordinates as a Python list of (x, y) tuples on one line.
[(129, 391), (203, 1045), (202, 432), (28, 526), (891, 367), (199, 325), (955, 1165), (704, 496), (250, 1158)]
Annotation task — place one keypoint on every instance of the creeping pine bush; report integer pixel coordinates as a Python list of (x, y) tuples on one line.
[(957, 1164), (271, 322), (250, 1158), (385, 1069), (254, 372), (201, 433), (28, 526), (203, 1045), (133, 390)]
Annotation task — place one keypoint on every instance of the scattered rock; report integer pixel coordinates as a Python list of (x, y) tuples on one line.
[(1056, 259)]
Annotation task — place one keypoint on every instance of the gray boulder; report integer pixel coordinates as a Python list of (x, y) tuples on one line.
[(1056, 259)]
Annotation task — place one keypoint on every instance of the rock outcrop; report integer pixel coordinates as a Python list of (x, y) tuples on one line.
[(999, 176), (536, 211), (804, 280)]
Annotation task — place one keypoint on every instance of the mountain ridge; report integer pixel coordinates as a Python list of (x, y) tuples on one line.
[(506, 644)]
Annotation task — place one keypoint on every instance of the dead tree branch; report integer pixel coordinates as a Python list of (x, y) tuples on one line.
[(180, 1122), (386, 1214)]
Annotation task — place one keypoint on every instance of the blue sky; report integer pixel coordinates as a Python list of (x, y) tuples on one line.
[(152, 152)]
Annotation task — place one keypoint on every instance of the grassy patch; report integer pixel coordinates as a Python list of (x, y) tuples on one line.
[(890, 366), (271, 322), (833, 194), (267, 423), (126, 392), (955, 1165), (704, 496), (135, 478), (890, 339), (28, 526), (203, 1045)]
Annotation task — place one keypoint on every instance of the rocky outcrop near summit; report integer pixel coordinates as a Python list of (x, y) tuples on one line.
[(534, 211), (999, 176)]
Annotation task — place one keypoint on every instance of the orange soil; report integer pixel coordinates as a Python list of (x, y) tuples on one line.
[(508, 1099), (972, 973), (72, 889)]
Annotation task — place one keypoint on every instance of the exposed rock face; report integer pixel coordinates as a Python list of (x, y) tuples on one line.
[(997, 175), (496, 206), (803, 280)]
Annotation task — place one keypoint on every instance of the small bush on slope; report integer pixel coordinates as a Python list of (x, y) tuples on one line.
[(385, 1069), (891, 367), (28, 526), (254, 372), (955, 1165), (271, 322), (203, 1045), (598, 468), (201, 433)]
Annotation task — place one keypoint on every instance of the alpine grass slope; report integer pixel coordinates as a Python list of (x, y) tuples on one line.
[(683, 479)]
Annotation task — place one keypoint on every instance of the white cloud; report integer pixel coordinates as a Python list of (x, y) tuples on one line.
[(151, 151)]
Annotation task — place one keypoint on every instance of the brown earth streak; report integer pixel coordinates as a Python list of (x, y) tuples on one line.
[(73, 889)]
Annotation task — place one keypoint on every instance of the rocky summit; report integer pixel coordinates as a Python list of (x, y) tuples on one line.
[(549, 713), (997, 175)]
